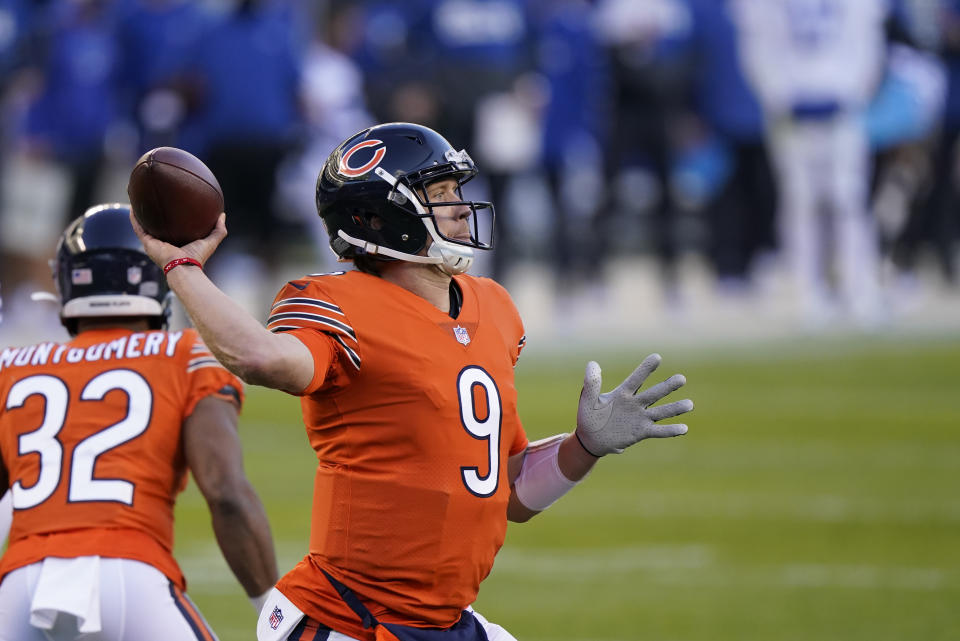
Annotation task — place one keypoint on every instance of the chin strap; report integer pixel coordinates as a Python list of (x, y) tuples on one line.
[(454, 259), (378, 250)]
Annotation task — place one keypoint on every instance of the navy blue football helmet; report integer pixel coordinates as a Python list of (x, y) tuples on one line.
[(101, 270), (371, 197)]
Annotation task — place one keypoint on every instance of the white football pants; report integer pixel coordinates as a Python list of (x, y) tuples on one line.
[(279, 628), (823, 166), (112, 600)]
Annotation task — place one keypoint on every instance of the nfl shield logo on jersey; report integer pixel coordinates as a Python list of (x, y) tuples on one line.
[(462, 336), (275, 618)]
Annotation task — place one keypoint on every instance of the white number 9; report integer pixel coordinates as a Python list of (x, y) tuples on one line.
[(487, 428)]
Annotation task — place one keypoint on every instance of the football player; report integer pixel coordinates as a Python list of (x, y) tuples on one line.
[(404, 366), (815, 111), (97, 435)]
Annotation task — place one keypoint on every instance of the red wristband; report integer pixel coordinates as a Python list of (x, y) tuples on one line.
[(181, 261)]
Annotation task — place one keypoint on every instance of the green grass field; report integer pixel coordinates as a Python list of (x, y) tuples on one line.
[(815, 497)]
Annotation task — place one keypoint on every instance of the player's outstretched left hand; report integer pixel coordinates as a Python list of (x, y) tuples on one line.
[(609, 423)]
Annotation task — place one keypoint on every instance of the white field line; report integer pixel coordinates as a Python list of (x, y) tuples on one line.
[(825, 508), (690, 565)]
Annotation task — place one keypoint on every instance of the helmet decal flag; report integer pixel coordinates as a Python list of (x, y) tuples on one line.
[(82, 276), (353, 172)]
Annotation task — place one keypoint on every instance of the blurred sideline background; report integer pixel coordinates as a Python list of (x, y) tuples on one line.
[(765, 191), (646, 158)]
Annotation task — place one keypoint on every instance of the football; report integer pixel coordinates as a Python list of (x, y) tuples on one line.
[(174, 196)]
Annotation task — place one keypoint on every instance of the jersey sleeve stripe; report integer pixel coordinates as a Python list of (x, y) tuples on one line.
[(276, 329), (198, 363), (194, 368), (312, 302), (354, 357), (313, 318)]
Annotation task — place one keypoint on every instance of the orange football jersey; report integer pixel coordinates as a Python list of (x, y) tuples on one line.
[(413, 415), (90, 433)]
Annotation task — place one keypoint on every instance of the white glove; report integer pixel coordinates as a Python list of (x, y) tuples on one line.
[(259, 601), (608, 423)]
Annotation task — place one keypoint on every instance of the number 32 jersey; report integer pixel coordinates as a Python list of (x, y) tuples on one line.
[(90, 433), (413, 415)]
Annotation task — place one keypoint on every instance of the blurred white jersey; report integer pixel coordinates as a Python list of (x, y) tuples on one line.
[(815, 65), (798, 53)]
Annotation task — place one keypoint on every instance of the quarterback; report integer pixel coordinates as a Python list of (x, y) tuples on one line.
[(404, 367), (97, 435)]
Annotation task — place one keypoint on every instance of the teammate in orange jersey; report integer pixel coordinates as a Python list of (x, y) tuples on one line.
[(97, 435), (404, 367)]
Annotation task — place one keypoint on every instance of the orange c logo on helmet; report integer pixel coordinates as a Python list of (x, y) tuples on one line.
[(353, 172)]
